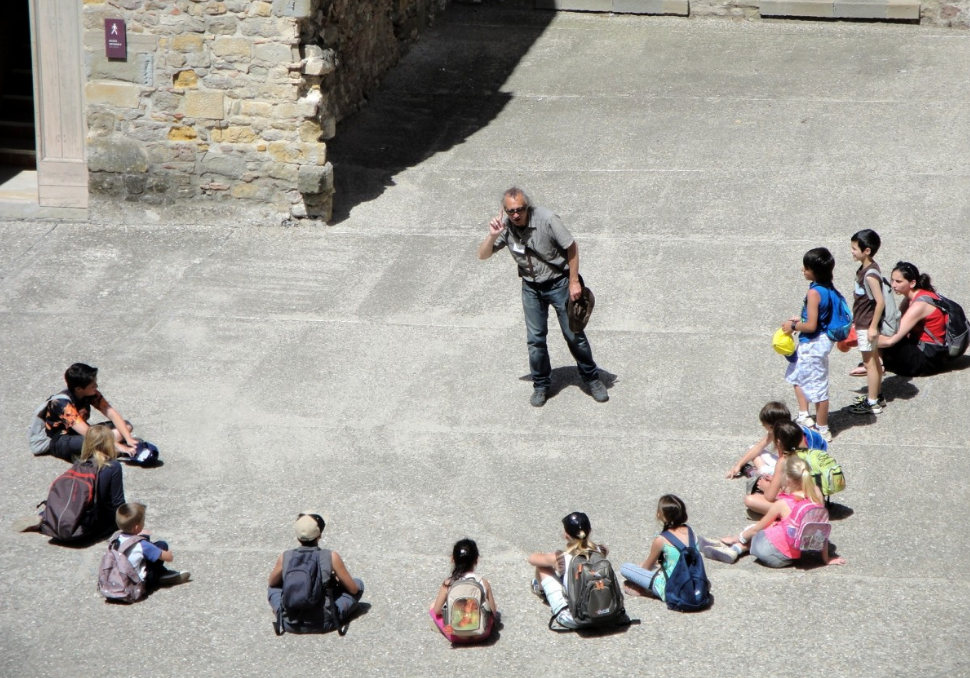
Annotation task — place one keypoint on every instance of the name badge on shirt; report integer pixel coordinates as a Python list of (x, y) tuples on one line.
[(518, 248)]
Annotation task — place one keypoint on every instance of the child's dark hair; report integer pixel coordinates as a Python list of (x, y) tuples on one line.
[(80, 375), (465, 555), (821, 263), (867, 239), (788, 436), (912, 274), (671, 511), (774, 412)]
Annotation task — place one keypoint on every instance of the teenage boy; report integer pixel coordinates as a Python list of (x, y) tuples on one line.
[(66, 419)]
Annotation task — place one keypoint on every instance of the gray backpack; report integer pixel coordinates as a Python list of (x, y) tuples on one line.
[(889, 324), (118, 582), (40, 442)]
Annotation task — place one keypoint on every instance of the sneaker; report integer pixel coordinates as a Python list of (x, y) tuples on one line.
[(537, 590), (721, 553), (598, 391), (753, 515), (538, 397), (864, 397), (27, 524), (864, 407), (172, 578), (805, 421), (826, 435)]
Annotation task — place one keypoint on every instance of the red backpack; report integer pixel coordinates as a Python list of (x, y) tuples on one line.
[(71, 510)]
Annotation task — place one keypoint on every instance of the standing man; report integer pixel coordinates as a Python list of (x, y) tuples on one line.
[(548, 261)]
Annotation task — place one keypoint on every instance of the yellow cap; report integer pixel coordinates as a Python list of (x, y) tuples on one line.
[(783, 343)]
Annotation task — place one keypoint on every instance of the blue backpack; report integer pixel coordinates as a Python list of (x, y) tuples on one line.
[(688, 589), (840, 324)]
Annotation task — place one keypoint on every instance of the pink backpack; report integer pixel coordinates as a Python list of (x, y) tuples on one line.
[(118, 581), (809, 527)]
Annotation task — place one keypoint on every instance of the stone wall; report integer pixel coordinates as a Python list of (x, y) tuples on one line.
[(943, 13), (223, 100)]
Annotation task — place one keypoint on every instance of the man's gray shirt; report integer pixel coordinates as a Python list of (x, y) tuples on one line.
[(539, 249)]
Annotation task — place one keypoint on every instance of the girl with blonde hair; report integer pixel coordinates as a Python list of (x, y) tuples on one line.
[(771, 539), (551, 567), (100, 451)]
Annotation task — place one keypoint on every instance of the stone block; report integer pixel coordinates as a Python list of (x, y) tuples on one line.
[(859, 9), (310, 131), (233, 135), (190, 42), (211, 105), (260, 9), (314, 180), (137, 42), (116, 153), (259, 109), (676, 7), (576, 5), (273, 53), (215, 8), (288, 173), (253, 191), (110, 94), (101, 123), (185, 79), (300, 9), (182, 133), (221, 25), (899, 10), (325, 64), (822, 9), (232, 49), (223, 165)]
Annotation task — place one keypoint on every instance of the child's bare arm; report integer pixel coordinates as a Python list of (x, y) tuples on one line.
[(166, 556), (439, 601), (750, 455), (655, 549)]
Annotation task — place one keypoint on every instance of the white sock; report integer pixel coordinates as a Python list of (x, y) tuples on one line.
[(871, 401), (822, 429), (555, 594), (802, 415)]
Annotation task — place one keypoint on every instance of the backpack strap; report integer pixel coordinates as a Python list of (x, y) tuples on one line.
[(127, 544)]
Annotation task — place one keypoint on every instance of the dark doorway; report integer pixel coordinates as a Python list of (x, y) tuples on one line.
[(17, 139)]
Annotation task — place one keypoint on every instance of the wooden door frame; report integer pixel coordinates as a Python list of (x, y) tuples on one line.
[(62, 180)]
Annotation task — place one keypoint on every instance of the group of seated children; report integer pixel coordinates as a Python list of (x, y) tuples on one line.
[(94, 449)]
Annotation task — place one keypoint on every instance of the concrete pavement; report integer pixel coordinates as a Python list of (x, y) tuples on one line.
[(374, 369)]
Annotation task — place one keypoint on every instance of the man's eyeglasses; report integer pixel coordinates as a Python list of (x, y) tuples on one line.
[(516, 210)]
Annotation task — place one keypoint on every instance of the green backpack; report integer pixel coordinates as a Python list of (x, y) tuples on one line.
[(826, 471)]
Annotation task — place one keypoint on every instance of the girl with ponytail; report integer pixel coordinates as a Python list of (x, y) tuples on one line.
[(914, 349), (551, 567), (770, 540), (464, 558)]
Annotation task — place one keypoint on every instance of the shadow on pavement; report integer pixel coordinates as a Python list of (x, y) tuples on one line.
[(446, 89)]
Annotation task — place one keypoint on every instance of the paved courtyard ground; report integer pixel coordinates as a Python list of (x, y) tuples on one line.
[(375, 370)]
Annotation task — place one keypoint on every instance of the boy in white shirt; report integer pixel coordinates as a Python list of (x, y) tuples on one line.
[(147, 558)]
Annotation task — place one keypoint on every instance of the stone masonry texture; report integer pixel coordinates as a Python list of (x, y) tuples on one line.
[(224, 100)]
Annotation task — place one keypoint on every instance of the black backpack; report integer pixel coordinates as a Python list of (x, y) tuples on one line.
[(71, 509), (688, 589), (954, 343), (593, 593), (307, 602)]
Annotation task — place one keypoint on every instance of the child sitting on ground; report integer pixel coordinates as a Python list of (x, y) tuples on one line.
[(773, 539), (650, 578), (762, 456), (146, 557), (464, 557)]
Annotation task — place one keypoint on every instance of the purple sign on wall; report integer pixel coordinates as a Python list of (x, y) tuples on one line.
[(115, 39)]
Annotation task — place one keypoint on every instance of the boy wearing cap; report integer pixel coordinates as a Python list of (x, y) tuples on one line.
[(348, 590)]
